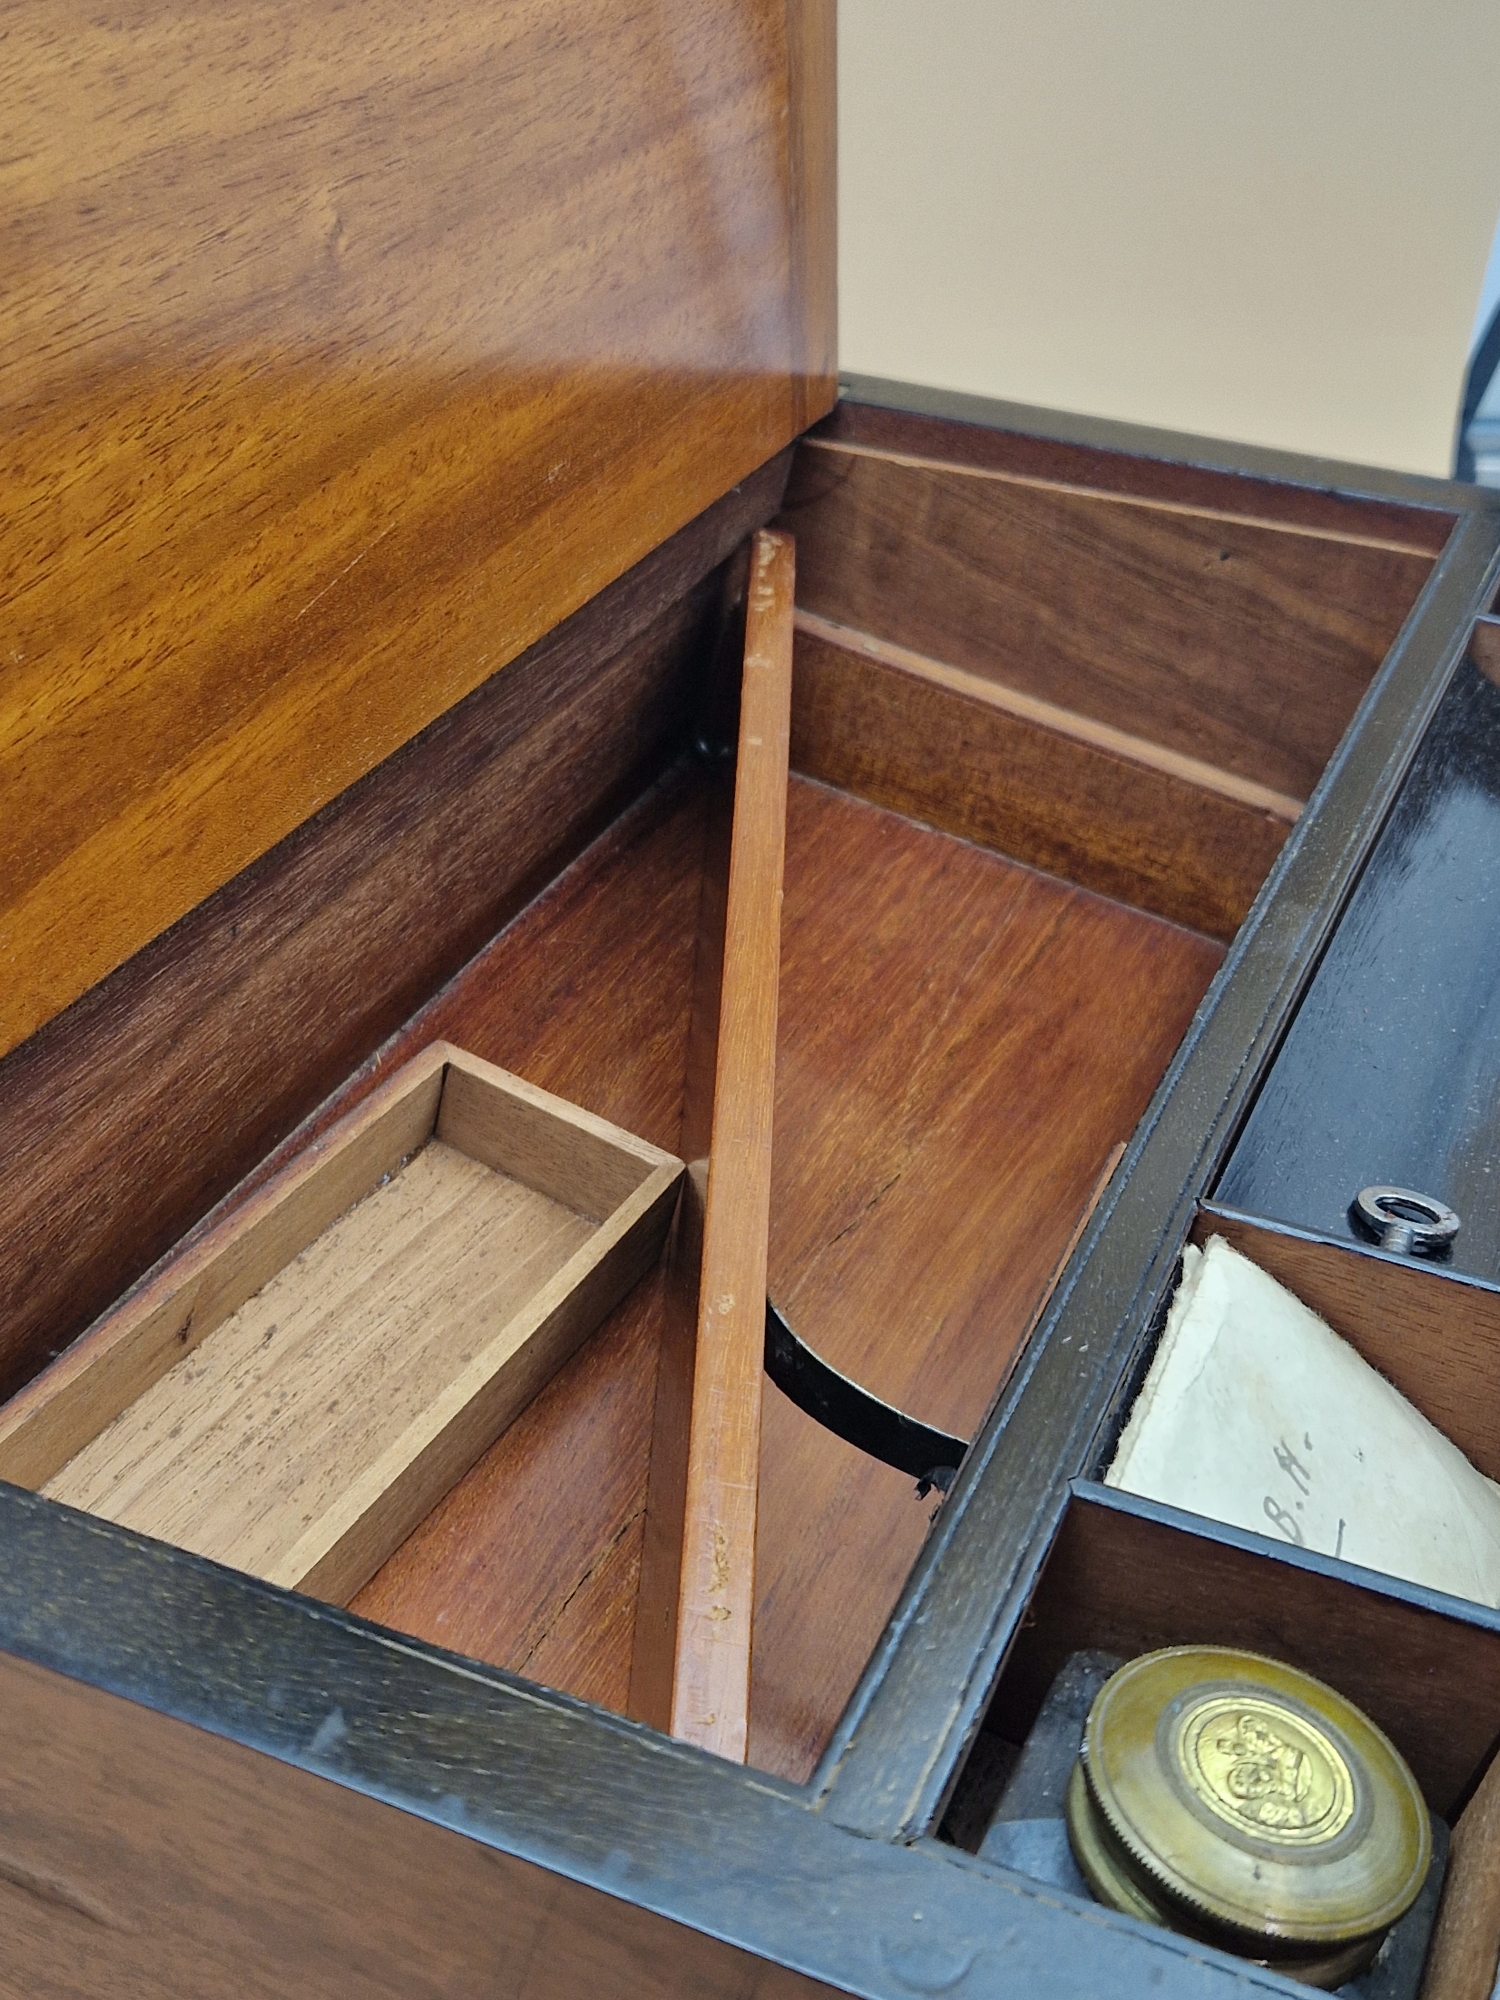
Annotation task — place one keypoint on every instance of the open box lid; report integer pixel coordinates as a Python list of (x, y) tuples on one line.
[(348, 352)]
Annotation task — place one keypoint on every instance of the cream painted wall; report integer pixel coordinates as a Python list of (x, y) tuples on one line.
[(1260, 219)]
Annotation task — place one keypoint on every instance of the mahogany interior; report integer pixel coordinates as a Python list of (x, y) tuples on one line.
[(962, 1041)]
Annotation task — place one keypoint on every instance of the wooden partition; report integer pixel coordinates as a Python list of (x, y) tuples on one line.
[(346, 351), (1435, 1334), (1128, 1575), (694, 1622), (1124, 673)]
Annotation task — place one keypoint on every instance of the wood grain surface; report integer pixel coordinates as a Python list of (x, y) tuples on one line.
[(1236, 642), (292, 1392), (1046, 461), (1465, 1949), (716, 1594), (960, 1038), (962, 1044), (1435, 1334), (987, 1080), (144, 1859), (1129, 1576), (958, 751), (240, 1020), (812, 181), (291, 1400), (532, 1561), (345, 354), (212, 1275)]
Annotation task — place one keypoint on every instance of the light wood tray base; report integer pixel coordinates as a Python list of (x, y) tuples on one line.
[(292, 1394)]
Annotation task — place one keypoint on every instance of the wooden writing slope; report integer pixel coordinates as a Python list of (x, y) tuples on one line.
[(483, 722)]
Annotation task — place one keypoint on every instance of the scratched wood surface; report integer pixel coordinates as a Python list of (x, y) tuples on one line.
[(1240, 642), (345, 352), (145, 1859)]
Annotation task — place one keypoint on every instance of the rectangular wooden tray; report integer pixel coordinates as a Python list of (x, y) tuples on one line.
[(291, 1393)]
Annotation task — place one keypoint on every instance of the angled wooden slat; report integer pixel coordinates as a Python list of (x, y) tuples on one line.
[(692, 1669)]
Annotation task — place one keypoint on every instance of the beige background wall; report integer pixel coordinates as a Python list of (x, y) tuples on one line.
[(1260, 219)]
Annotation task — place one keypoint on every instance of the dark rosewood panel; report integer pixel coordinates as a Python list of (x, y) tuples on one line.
[(134, 1112)]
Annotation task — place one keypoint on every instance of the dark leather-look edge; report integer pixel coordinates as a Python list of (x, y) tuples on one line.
[(716, 1850)]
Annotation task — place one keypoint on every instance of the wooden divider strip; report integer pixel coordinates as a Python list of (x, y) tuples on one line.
[(1047, 715), (706, 1636), (1465, 1949), (1407, 545)]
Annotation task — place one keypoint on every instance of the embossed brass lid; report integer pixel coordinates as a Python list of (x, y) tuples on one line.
[(1244, 1794)]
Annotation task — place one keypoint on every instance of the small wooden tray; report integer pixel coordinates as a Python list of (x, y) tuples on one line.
[(292, 1392)]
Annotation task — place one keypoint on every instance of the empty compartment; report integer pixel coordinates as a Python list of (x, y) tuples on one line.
[(291, 1393)]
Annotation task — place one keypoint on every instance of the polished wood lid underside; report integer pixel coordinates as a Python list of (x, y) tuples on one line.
[(346, 350)]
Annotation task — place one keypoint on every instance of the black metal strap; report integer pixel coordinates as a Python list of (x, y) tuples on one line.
[(852, 1413)]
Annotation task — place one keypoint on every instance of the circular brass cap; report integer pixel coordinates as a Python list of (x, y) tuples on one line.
[(1251, 1796)]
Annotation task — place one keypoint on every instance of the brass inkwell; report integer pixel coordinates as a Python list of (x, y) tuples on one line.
[(1245, 1804)]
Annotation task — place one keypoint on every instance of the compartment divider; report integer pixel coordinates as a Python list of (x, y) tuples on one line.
[(691, 1668)]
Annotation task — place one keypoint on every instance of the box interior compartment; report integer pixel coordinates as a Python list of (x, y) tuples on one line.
[(1125, 1576), (1038, 777), (292, 1393)]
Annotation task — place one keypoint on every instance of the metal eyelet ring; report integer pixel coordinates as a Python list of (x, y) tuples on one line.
[(1403, 1221)]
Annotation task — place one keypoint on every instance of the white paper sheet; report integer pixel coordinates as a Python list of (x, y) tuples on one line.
[(1257, 1414)]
